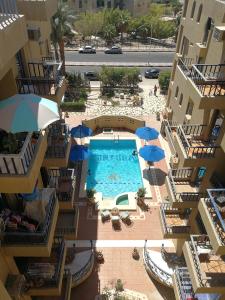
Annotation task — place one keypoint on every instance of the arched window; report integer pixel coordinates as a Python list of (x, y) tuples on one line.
[(181, 99), (193, 9), (199, 13), (176, 92)]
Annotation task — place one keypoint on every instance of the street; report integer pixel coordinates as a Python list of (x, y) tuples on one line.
[(127, 57), (81, 69)]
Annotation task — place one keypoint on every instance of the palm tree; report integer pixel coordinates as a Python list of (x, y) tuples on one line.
[(62, 26), (122, 21), (109, 32)]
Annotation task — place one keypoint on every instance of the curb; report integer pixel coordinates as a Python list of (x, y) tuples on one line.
[(133, 50), (112, 64)]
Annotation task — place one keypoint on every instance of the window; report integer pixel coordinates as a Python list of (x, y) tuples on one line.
[(185, 8), (80, 4), (109, 4), (176, 92), (189, 108), (199, 13), (193, 9), (208, 26), (181, 99), (100, 3)]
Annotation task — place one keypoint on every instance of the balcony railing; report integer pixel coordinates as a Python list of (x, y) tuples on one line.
[(193, 146), (86, 268), (64, 181), (40, 86), (18, 164), (182, 174), (40, 236), (182, 196), (216, 212), (155, 269), (8, 12), (45, 274), (184, 283), (209, 79), (165, 211)]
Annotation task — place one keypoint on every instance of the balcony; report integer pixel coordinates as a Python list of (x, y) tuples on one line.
[(44, 275), (182, 192), (208, 82), (212, 210), (64, 181), (67, 224), (37, 10), (174, 222), (59, 143), (192, 148), (13, 32), (205, 267), (182, 284), (45, 79), (20, 165), (24, 233)]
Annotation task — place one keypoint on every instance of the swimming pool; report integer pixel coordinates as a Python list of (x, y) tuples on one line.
[(113, 168)]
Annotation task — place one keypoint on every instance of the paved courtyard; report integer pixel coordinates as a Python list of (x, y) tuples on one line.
[(151, 104)]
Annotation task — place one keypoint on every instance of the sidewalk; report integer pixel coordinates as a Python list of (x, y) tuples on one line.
[(130, 49), (118, 64)]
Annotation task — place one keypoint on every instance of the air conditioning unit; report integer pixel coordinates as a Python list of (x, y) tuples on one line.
[(219, 33), (34, 33)]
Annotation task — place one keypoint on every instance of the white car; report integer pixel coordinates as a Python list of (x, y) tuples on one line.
[(87, 49)]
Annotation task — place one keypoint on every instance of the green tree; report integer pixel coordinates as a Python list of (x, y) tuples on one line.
[(62, 26), (176, 6), (122, 18), (109, 32), (164, 80)]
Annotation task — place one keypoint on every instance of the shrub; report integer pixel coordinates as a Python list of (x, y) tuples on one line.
[(164, 80), (90, 193), (141, 192), (119, 285), (73, 106)]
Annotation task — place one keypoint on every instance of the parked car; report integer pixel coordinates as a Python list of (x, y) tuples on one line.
[(87, 49), (152, 73), (113, 50), (90, 75)]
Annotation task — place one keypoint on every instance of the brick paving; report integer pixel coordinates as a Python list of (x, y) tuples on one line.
[(119, 263)]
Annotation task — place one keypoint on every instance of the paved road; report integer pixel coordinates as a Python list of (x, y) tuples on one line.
[(134, 57), (81, 69)]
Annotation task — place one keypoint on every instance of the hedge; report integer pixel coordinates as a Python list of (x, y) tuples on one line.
[(73, 106)]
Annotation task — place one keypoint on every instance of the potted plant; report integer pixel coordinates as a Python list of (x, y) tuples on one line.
[(91, 195), (119, 286), (141, 195), (135, 254)]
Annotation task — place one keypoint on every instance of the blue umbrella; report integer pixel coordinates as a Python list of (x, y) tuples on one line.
[(79, 152), (152, 153), (147, 133), (81, 131)]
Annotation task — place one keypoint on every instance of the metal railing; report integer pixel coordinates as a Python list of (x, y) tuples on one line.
[(183, 196), (165, 210), (193, 248), (195, 151), (40, 86), (64, 174), (33, 238), (162, 275), (67, 228), (86, 268), (18, 164), (215, 213), (184, 283), (182, 174), (185, 64), (8, 12), (195, 130), (59, 249), (56, 151)]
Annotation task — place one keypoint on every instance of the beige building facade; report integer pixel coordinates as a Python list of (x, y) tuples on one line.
[(194, 127), (135, 7), (34, 239)]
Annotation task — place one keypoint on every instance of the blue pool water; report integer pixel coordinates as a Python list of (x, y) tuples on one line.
[(113, 168)]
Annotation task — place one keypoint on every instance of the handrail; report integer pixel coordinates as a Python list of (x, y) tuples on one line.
[(147, 259), (182, 174), (172, 184), (184, 284), (34, 238), (170, 229), (81, 273)]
